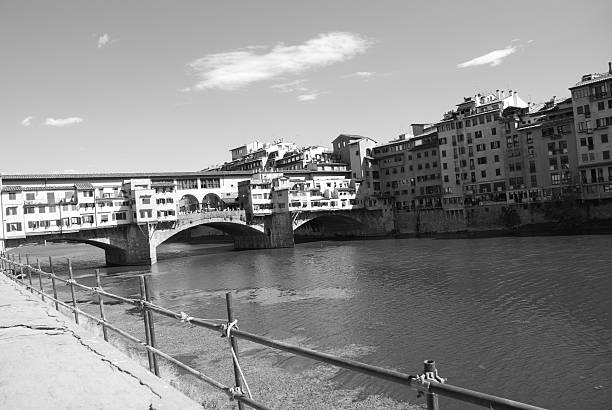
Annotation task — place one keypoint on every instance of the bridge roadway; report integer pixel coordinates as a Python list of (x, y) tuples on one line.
[(136, 244)]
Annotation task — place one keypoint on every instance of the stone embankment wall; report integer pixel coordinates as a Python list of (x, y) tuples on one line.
[(554, 217)]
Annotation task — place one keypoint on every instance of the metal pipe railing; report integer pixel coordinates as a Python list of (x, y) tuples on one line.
[(424, 383)]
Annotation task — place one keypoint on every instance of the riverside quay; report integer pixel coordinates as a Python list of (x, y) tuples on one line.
[(492, 151)]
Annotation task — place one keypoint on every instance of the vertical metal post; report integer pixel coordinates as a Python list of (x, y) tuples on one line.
[(29, 269), (21, 274), (74, 301), (53, 282), (234, 342), (431, 398), (145, 318), (42, 292), (147, 284), (101, 303)]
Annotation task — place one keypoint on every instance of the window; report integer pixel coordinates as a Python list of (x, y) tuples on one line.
[(482, 160), (15, 226), (481, 147), (532, 167), (604, 138), (601, 106), (443, 153), (119, 216), (483, 173), (12, 210), (495, 144), (478, 134), (606, 155), (41, 209), (497, 171), (29, 210), (88, 219), (30, 196), (555, 179), (12, 196), (496, 158)]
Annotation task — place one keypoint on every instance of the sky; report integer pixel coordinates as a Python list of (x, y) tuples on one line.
[(146, 86)]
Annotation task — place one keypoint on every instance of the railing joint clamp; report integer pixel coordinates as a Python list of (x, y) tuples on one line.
[(235, 392)]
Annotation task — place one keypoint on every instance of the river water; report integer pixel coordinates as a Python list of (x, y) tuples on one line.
[(525, 318)]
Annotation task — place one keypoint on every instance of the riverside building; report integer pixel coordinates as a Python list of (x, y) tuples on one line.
[(472, 156), (550, 164), (592, 105)]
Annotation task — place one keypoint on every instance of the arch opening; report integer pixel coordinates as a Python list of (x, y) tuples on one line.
[(328, 227), (212, 202), (188, 204)]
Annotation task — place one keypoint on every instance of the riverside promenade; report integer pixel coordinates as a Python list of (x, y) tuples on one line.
[(48, 362)]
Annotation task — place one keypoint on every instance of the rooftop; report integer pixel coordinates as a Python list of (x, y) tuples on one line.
[(593, 78)]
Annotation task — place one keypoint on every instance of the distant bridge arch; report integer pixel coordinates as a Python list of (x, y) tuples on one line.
[(232, 223), (328, 218)]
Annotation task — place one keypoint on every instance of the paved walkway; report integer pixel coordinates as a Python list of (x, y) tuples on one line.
[(48, 362)]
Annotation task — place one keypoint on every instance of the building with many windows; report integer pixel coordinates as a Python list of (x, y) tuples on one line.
[(592, 105), (549, 166), (472, 156)]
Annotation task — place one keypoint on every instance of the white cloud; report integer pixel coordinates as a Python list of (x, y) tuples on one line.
[(308, 97), (363, 74), (105, 40), (27, 121), (63, 122), (235, 69), (493, 58), (292, 86)]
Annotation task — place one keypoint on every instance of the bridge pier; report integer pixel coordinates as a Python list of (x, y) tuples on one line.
[(278, 233), (131, 246)]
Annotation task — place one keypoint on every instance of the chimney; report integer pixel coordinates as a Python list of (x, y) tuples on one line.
[(609, 67)]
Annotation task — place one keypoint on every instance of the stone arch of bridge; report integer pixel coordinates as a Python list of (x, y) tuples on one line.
[(234, 229), (188, 203), (331, 218)]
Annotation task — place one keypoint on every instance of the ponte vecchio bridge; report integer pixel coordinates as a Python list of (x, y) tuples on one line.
[(130, 215)]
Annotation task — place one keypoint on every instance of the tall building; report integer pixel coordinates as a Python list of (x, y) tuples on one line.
[(592, 104), (472, 156), (409, 169), (550, 164)]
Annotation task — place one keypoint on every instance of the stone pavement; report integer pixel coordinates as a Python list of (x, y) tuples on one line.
[(48, 362)]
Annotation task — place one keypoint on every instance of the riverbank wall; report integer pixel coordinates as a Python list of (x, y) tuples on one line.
[(552, 218)]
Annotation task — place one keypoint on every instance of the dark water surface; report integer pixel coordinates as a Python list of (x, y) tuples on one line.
[(525, 318)]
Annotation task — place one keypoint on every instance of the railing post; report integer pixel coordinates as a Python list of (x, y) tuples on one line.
[(42, 292), (29, 272), (74, 301), (101, 303), (429, 366), (147, 284), (145, 318), (53, 282), (234, 342)]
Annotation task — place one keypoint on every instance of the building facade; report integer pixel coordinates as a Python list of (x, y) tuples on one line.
[(592, 105)]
